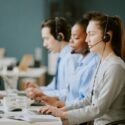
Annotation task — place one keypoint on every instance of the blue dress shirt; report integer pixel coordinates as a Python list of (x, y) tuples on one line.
[(56, 75), (67, 65), (80, 80)]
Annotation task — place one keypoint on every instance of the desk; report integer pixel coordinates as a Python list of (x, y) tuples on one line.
[(31, 72), (11, 77), (6, 121), (7, 61)]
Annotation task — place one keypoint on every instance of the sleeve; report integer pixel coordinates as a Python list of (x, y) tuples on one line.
[(51, 91), (85, 80), (112, 85), (49, 87), (66, 68), (78, 104)]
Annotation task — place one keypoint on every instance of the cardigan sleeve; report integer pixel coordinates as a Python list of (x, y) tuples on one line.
[(111, 86)]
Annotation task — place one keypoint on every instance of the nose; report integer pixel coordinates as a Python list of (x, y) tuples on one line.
[(44, 44), (86, 40), (70, 41)]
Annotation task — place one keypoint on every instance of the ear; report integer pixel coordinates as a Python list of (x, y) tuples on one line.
[(62, 35), (110, 34)]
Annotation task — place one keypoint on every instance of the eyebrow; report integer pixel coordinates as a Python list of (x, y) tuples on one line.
[(91, 32)]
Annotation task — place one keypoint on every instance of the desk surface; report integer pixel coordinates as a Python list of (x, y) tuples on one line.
[(8, 61), (6, 121), (31, 72), (11, 77)]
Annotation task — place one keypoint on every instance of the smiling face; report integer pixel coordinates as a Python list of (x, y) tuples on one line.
[(94, 36), (48, 39), (78, 36)]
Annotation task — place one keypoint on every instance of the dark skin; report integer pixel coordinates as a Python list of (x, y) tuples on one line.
[(79, 45), (77, 42), (52, 101)]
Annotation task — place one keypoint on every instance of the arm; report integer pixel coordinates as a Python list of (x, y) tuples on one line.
[(49, 87), (105, 93), (60, 93), (52, 101), (82, 82)]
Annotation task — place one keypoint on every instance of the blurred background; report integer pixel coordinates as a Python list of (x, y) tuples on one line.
[(20, 21)]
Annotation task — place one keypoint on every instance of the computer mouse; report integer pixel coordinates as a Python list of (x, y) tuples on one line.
[(37, 104), (16, 110), (1, 112)]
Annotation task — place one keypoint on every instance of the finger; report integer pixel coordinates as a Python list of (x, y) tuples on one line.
[(49, 111), (27, 84), (43, 109)]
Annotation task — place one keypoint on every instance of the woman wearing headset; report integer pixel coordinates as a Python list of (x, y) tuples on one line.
[(77, 86), (79, 81), (106, 100)]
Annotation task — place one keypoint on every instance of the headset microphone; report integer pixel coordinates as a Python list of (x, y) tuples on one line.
[(95, 44), (83, 50), (73, 51), (57, 29), (76, 51)]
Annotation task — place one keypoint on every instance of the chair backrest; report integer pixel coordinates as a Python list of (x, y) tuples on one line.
[(25, 62)]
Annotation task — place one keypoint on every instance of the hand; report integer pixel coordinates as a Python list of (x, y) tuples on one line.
[(50, 100), (53, 101), (63, 108), (34, 93), (59, 104), (30, 85), (53, 111)]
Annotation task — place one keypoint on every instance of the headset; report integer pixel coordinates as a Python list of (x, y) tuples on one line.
[(57, 27), (106, 36)]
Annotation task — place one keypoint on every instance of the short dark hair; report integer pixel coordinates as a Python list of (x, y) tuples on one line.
[(56, 25)]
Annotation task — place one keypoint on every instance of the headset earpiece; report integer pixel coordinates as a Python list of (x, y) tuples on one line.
[(106, 36), (59, 37), (57, 28)]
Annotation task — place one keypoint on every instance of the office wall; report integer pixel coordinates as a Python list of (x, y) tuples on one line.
[(20, 20), (20, 26), (112, 7)]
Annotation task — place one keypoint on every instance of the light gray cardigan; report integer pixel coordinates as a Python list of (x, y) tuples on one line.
[(108, 101)]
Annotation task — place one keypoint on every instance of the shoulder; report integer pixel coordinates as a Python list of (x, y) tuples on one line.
[(91, 59), (66, 55), (115, 66), (65, 50), (115, 62)]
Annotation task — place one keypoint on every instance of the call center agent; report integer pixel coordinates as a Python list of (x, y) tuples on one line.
[(79, 81), (55, 34), (106, 101)]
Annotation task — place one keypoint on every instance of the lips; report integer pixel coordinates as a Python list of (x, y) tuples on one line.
[(89, 46), (72, 47)]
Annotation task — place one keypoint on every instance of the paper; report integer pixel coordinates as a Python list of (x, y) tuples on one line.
[(31, 116), (13, 102)]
